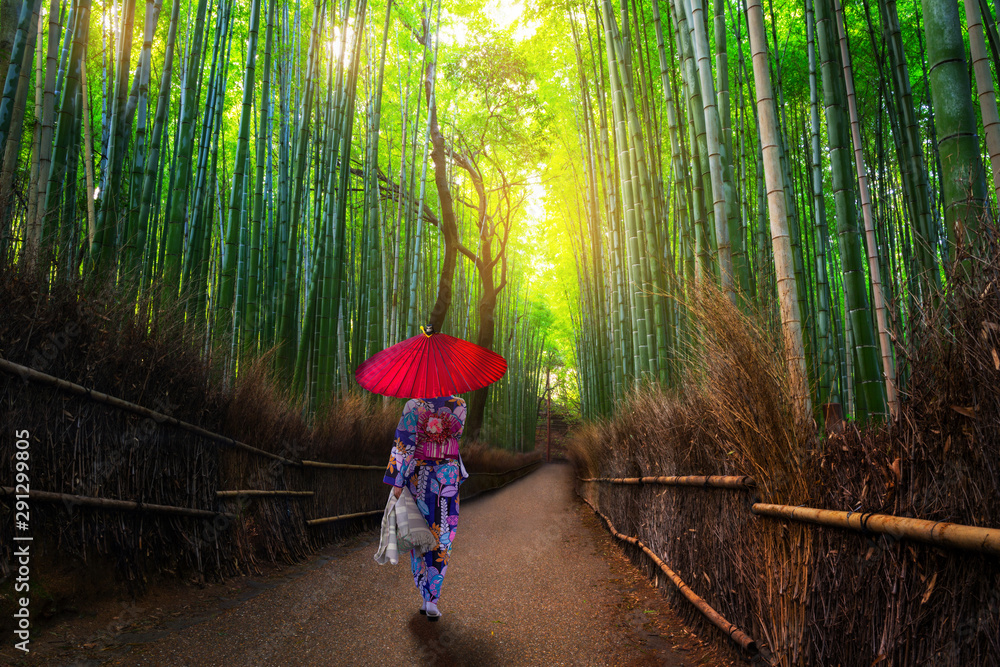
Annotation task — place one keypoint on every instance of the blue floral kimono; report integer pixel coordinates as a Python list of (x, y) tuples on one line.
[(433, 484)]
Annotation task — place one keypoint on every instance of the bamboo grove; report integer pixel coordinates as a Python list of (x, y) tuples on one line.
[(820, 162), (276, 172)]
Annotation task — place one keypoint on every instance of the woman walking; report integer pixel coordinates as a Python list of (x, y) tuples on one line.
[(425, 460)]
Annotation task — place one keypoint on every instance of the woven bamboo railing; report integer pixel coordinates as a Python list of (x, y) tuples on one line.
[(339, 466), (940, 533), (108, 503), (339, 517)]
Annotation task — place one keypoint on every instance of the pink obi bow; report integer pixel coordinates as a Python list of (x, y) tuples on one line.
[(437, 435)]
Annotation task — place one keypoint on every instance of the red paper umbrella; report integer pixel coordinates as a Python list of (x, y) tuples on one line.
[(427, 366)]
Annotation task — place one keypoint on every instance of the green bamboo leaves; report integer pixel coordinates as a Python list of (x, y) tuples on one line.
[(840, 309), (277, 194)]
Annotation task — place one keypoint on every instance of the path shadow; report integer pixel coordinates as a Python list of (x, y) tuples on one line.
[(445, 643)]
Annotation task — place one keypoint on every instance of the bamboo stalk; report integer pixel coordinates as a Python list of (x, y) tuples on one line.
[(984, 89), (110, 503), (958, 536), (731, 631), (99, 397), (878, 297), (88, 152), (791, 320)]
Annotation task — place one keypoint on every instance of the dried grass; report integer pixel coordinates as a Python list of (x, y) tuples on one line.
[(818, 596), (91, 337)]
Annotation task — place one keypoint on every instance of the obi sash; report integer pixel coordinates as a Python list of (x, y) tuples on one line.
[(430, 450)]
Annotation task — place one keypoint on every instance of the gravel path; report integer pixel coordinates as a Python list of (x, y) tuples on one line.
[(534, 579)]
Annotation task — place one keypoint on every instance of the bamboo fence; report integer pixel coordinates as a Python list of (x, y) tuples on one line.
[(941, 533), (248, 505), (971, 541)]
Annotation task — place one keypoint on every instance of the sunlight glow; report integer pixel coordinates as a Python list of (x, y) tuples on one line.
[(502, 13), (505, 13), (108, 21), (534, 207), (334, 44)]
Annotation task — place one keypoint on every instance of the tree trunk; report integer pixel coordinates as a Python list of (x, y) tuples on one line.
[(448, 226), (485, 262), (487, 327)]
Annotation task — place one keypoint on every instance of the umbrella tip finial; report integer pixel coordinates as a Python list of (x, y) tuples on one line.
[(428, 330)]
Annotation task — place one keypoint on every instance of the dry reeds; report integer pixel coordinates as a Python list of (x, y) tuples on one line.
[(819, 596), (90, 337)]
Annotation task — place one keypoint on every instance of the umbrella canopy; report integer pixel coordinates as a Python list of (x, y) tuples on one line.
[(427, 366)]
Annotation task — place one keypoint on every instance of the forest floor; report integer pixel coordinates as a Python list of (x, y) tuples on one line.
[(534, 579)]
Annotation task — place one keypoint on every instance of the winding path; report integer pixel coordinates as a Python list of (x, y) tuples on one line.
[(534, 579)]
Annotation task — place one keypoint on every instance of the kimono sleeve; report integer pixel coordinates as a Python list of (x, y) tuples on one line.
[(460, 411), (404, 445)]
